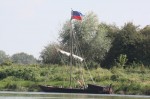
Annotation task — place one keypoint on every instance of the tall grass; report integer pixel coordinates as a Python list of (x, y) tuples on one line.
[(132, 80)]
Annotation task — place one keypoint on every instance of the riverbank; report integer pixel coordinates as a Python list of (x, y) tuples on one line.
[(27, 78)]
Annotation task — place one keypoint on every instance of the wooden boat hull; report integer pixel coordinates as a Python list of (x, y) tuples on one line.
[(92, 89)]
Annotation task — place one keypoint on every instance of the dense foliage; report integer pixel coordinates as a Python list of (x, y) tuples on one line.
[(23, 58), (131, 80), (101, 43), (18, 58), (125, 51), (132, 42), (50, 55), (3, 57)]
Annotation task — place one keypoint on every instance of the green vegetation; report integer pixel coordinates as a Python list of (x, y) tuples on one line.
[(120, 56), (23, 58), (95, 41), (18, 58), (102, 43), (133, 80)]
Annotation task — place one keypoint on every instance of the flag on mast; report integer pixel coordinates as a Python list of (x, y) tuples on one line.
[(76, 15)]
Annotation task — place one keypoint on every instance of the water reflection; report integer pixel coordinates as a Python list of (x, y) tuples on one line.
[(42, 95)]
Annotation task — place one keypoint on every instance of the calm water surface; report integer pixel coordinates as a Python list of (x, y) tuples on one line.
[(42, 95)]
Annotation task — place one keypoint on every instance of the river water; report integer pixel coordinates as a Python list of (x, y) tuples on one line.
[(43, 95)]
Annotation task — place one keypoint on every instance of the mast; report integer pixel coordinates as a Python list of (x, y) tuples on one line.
[(71, 50), (74, 15)]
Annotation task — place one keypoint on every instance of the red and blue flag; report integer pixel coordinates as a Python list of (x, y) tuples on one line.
[(76, 15)]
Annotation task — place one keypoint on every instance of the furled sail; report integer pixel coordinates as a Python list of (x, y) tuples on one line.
[(68, 54)]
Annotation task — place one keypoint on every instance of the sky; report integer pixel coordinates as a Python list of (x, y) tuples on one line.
[(30, 25)]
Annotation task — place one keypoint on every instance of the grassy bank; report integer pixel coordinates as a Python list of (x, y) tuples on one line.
[(28, 77)]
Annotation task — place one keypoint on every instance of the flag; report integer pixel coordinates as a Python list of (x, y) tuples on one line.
[(76, 15)]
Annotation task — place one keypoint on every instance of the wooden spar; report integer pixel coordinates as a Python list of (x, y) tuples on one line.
[(68, 54)]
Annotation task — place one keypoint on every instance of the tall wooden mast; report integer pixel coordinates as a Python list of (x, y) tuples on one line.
[(71, 49)]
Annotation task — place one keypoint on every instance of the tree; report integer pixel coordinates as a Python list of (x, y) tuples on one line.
[(50, 55), (23, 58), (126, 42), (103, 39), (3, 57), (146, 31), (144, 45), (91, 37)]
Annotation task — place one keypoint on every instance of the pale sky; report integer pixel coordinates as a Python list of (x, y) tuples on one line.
[(29, 25)]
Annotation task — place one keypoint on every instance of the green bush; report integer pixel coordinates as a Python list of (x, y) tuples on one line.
[(121, 61)]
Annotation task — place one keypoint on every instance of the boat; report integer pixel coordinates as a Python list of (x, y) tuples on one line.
[(91, 89), (88, 88)]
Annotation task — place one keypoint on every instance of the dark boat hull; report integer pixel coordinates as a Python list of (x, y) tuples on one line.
[(93, 89)]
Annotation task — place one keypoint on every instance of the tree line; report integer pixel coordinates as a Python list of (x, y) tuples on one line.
[(18, 58), (100, 44), (103, 44)]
